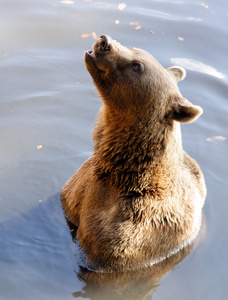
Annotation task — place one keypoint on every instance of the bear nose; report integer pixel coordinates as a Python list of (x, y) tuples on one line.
[(105, 43)]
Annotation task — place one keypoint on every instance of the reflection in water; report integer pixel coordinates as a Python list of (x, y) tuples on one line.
[(137, 284), (198, 66)]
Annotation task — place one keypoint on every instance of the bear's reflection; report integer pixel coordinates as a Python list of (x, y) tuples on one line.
[(138, 284)]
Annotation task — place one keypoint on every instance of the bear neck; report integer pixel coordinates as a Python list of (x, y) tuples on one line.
[(135, 154)]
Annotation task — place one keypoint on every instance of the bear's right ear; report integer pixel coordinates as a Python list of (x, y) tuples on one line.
[(184, 111), (178, 73)]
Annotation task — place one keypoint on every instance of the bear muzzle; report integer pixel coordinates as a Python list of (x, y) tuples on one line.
[(104, 44)]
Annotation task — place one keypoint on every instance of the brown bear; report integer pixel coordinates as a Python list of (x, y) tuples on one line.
[(138, 199)]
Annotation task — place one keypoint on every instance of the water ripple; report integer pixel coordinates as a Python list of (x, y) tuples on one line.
[(197, 66), (166, 16)]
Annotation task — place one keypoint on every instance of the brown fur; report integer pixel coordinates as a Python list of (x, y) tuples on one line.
[(138, 198)]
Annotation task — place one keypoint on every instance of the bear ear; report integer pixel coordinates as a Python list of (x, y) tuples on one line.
[(184, 111), (178, 73)]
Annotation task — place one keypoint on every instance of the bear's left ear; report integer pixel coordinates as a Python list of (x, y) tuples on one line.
[(178, 73), (184, 111)]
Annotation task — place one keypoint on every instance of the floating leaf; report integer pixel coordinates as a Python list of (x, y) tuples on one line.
[(216, 139), (95, 36), (204, 5), (85, 35), (136, 24), (67, 2), (122, 6), (5, 55), (39, 147), (138, 27)]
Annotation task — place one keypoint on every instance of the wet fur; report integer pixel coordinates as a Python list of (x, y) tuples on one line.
[(138, 198)]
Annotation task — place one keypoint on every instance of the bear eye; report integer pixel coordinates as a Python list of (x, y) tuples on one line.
[(136, 66)]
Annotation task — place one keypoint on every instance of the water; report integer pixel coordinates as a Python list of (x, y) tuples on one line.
[(47, 109)]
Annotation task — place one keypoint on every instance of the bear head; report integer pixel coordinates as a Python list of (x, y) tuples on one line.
[(133, 81)]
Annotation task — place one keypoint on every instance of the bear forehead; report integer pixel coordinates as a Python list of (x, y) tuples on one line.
[(136, 54), (141, 56)]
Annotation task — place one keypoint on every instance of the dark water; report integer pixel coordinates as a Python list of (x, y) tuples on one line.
[(48, 100)]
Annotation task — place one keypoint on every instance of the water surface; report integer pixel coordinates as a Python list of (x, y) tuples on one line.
[(47, 110)]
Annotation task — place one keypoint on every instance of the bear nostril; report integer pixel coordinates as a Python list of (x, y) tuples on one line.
[(102, 46), (105, 43)]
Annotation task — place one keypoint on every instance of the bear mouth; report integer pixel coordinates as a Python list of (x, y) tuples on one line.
[(91, 53), (90, 58), (91, 62)]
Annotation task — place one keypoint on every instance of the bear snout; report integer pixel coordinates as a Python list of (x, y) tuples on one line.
[(98, 59), (105, 43)]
